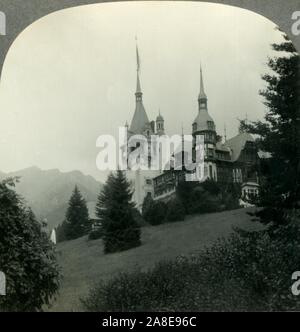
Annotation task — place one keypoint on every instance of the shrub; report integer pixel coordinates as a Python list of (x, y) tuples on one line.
[(246, 272), (96, 233), (231, 193), (61, 232), (200, 198), (175, 210), (212, 187), (208, 196), (27, 256), (147, 204), (137, 215), (156, 213), (204, 202)]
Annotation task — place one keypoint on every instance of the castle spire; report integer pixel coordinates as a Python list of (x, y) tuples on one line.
[(203, 120), (140, 119), (138, 84), (202, 94), (138, 92), (202, 98)]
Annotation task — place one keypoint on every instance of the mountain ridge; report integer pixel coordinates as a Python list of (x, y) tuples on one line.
[(47, 192)]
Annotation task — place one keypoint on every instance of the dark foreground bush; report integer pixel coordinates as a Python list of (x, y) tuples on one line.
[(96, 234), (156, 213), (27, 256), (246, 272), (175, 210)]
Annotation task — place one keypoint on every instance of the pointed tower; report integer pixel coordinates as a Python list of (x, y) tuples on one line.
[(160, 130), (141, 178), (203, 121), (204, 125), (202, 98), (140, 122)]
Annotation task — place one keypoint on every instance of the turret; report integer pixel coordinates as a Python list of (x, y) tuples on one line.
[(140, 122), (203, 121), (202, 98), (160, 129)]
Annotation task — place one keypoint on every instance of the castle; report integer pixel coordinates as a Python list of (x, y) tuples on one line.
[(231, 161)]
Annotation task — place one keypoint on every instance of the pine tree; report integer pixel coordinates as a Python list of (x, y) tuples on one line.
[(116, 212), (77, 216), (279, 135)]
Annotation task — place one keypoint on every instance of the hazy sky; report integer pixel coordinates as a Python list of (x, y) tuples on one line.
[(71, 76)]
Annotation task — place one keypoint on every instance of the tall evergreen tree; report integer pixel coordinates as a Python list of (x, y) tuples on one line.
[(279, 135), (77, 216), (116, 212)]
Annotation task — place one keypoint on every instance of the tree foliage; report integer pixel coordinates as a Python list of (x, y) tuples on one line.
[(115, 209), (208, 196), (27, 256), (247, 271), (77, 216), (175, 210), (147, 205), (279, 135), (154, 212), (61, 232)]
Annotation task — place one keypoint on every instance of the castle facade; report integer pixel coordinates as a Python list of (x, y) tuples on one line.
[(230, 161)]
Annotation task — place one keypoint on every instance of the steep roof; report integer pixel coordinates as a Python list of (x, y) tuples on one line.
[(202, 120), (237, 144), (139, 120), (222, 147), (159, 117)]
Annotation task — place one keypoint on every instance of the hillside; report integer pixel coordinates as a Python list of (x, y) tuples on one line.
[(47, 191), (83, 262)]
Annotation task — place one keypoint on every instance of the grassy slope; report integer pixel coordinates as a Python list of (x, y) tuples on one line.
[(84, 263)]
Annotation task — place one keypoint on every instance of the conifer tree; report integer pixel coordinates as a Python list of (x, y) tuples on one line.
[(279, 135), (116, 212), (77, 216)]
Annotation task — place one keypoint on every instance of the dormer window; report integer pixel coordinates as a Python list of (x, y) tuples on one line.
[(210, 125)]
